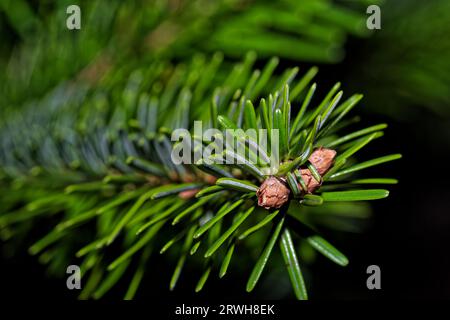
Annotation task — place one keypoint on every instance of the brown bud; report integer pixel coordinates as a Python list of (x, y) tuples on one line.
[(273, 193), (188, 194), (210, 179), (311, 183), (322, 160)]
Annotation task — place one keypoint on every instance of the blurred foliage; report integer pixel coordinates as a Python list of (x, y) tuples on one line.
[(406, 64), (41, 53)]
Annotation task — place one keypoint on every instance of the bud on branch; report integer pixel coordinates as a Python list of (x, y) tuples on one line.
[(274, 191)]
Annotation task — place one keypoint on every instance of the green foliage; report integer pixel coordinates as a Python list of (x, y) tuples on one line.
[(85, 136), (102, 169)]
